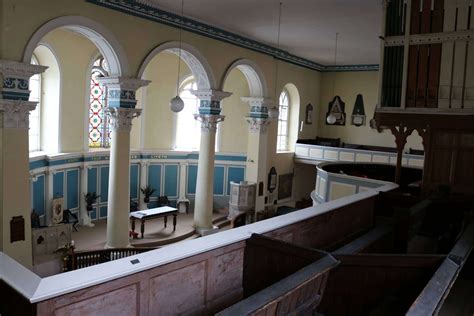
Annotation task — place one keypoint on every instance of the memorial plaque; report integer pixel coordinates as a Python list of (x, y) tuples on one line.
[(17, 229)]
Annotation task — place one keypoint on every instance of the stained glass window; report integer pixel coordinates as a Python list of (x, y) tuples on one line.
[(99, 130), (35, 115), (282, 136)]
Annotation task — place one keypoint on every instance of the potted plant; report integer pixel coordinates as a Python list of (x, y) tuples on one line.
[(91, 198), (147, 192)]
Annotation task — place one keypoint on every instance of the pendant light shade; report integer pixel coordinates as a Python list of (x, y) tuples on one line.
[(176, 104), (331, 119), (273, 113)]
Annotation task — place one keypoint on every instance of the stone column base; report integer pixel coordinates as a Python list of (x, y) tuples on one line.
[(207, 231)]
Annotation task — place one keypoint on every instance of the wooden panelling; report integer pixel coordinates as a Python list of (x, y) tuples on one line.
[(178, 292), (123, 301), (361, 282)]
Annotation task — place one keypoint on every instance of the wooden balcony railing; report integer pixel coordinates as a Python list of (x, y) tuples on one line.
[(83, 259)]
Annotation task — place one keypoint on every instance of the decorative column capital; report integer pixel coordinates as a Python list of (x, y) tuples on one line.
[(121, 118), (257, 125), (16, 78), (210, 100), (258, 118), (16, 113), (121, 90), (209, 121)]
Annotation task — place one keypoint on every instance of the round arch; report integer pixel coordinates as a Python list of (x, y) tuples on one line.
[(105, 41), (253, 74), (196, 62)]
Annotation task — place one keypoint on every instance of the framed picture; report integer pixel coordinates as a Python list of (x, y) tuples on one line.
[(336, 114), (58, 205), (272, 180), (285, 186)]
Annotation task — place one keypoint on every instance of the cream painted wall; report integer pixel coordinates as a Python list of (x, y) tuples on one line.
[(234, 129), (75, 54), (50, 99), (347, 85), (159, 120)]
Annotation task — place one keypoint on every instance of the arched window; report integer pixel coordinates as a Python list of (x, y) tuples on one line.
[(188, 133), (282, 136), (99, 130), (35, 115)]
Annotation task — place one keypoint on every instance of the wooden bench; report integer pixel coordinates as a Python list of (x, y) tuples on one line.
[(376, 284), (379, 239), (435, 296), (280, 278)]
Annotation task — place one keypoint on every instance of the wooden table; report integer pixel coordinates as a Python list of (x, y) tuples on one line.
[(143, 215)]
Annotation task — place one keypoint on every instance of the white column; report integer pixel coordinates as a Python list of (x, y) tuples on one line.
[(15, 204), (49, 195), (121, 111), (84, 218), (209, 116), (256, 167), (143, 182)]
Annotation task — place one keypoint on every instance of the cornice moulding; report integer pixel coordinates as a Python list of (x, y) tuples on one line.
[(143, 9)]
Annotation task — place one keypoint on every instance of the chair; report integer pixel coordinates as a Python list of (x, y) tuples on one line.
[(67, 214), (163, 201)]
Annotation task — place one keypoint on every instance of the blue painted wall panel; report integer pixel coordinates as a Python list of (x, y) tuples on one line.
[(103, 211), (154, 178), (219, 180), (192, 178), (58, 185), (92, 180), (73, 188), (171, 181), (235, 174), (104, 184), (39, 195), (93, 214), (134, 181)]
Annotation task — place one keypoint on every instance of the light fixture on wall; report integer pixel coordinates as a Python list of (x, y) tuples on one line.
[(273, 111), (176, 103)]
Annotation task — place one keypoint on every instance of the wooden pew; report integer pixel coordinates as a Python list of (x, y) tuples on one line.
[(376, 284), (432, 299), (377, 240), (280, 278)]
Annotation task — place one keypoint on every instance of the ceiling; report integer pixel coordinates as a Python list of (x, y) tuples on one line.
[(308, 27)]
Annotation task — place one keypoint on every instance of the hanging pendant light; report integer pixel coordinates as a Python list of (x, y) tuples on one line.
[(274, 112), (176, 103), (332, 118)]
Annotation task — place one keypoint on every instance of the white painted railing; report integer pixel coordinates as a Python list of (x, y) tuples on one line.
[(316, 153)]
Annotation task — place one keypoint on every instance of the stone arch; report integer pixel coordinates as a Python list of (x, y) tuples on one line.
[(253, 74), (105, 41), (196, 62)]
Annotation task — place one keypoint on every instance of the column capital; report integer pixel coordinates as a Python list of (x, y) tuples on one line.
[(210, 100), (257, 125), (211, 94), (16, 78), (123, 83), (121, 118), (16, 113), (209, 121), (121, 90), (258, 101)]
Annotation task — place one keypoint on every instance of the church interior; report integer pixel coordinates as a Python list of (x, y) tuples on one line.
[(272, 157)]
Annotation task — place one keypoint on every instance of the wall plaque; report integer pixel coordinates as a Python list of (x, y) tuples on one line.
[(17, 229)]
